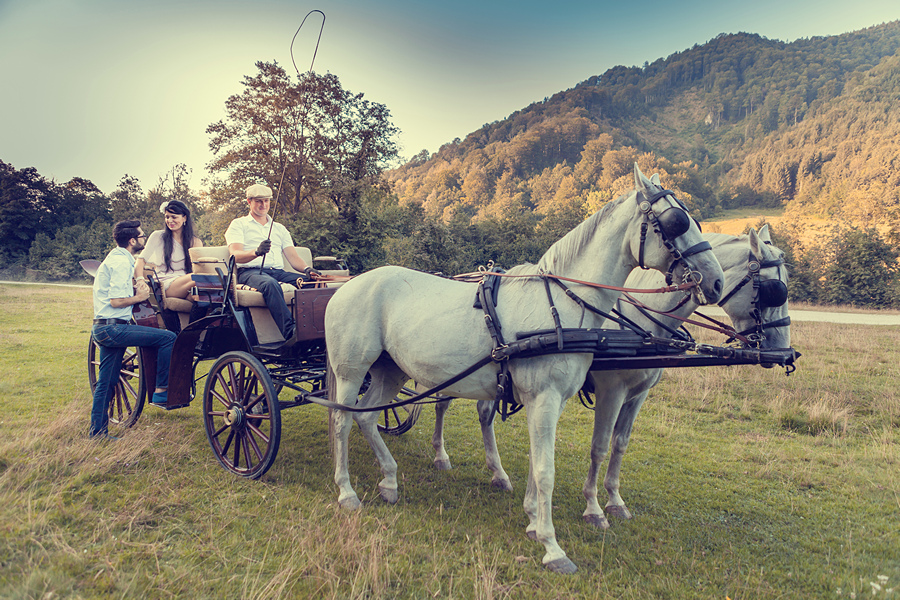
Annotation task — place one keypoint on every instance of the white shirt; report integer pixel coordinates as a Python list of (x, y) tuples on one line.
[(114, 280), (247, 231)]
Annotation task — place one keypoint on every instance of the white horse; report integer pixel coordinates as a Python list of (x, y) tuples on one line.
[(620, 394), (760, 313), (398, 324)]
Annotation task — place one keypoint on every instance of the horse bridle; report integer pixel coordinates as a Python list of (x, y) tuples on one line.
[(767, 293), (670, 224)]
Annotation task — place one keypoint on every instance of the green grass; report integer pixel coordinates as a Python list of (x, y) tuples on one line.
[(743, 483)]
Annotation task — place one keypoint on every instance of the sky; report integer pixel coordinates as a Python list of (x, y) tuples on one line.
[(103, 88)]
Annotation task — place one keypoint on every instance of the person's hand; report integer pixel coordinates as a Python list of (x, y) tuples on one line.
[(264, 247), (142, 291), (309, 272)]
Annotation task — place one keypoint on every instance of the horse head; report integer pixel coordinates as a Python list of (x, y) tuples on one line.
[(681, 251), (756, 300)]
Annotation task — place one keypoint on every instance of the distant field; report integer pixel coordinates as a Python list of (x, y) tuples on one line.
[(744, 484), (734, 222)]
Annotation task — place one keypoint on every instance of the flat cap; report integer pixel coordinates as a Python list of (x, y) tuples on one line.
[(258, 190)]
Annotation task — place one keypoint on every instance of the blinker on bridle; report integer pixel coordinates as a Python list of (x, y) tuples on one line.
[(767, 293), (669, 225)]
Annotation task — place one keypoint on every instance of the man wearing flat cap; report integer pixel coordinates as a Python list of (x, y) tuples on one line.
[(249, 242)]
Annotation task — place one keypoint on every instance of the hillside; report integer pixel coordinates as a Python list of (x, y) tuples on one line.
[(738, 121)]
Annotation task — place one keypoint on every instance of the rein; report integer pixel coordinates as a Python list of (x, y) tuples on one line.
[(663, 290)]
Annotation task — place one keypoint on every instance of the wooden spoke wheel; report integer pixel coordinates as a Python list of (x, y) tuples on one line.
[(241, 414), (131, 390), (398, 420)]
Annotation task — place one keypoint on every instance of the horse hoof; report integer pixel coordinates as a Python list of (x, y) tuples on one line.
[(350, 503), (391, 496), (532, 535), (598, 521), (442, 465), (502, 485), (563, 566), (620, 512)]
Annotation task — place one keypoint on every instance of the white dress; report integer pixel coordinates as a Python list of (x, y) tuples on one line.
[(154, 258)]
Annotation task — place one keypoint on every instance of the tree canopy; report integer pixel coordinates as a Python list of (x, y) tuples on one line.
[(319, 142)]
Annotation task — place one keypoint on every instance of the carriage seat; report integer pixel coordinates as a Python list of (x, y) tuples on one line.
[(205, 260), (180, 305)]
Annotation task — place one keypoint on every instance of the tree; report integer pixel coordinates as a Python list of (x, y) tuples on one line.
[(327, 143), (864, 271)]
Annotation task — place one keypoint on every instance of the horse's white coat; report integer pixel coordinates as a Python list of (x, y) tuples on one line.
[(620, 394), (399, 324)]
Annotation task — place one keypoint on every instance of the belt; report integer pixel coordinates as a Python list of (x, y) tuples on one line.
[(111, 322)]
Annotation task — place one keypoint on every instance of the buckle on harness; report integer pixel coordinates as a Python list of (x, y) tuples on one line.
[(499, 353)]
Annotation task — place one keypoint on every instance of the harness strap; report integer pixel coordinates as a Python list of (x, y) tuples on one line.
[(723, 329), (506, 404), (770, 325), (554, 313), (641, 250), (696, 249)]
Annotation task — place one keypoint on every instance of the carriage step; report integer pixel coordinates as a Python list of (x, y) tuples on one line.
[(165, 407)]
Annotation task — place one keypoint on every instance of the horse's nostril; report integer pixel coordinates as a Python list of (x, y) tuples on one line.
[(717, 286)]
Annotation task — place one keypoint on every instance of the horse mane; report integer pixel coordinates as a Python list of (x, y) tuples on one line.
[(571, 244)]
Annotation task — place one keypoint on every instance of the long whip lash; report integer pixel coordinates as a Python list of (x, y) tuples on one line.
[(308, 73)]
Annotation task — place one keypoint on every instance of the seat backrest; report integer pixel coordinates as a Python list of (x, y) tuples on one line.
[(206, 258)]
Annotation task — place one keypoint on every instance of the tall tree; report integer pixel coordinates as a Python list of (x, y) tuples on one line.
[(328, 144)]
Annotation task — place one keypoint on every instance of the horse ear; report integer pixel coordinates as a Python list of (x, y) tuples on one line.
[(655, 179), (755, 243), (640, 180), (764, 234)]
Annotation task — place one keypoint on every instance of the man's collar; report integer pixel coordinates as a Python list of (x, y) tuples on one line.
[(126, 252), (268, 219)]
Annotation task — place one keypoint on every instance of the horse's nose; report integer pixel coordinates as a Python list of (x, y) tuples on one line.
[(717, 288)]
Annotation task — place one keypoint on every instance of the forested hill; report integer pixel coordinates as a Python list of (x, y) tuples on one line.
[(739, 121)]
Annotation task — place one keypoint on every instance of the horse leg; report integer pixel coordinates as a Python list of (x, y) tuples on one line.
[(441, 458), (543, 416), (343, 391), (486, 412), (609, 396), (387, 379), (621, 435)]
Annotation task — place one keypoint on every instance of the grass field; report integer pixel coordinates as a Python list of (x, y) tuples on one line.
[(743, 484)]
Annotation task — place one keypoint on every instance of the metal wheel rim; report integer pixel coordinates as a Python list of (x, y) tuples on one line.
[(241, 415)]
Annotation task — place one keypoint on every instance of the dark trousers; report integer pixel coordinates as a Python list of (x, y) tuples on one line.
[(113, 340), (267, 282)]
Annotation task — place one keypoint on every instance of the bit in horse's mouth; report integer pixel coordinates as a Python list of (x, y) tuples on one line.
[(701, 297)]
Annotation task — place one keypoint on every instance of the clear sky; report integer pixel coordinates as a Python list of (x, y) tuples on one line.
[(103, 88)]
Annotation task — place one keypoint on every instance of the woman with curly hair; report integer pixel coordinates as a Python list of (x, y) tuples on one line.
[(166, 251)]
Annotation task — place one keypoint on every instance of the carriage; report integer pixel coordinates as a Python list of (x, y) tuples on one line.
[(251, 368)]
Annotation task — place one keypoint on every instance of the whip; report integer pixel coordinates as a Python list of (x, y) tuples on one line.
[(302, 121)]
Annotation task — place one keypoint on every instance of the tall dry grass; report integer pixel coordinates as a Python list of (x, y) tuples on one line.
[(744, 483)]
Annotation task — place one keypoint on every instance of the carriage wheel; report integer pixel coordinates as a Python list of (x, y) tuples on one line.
[(241, 414), (399, 420), (131, 391)]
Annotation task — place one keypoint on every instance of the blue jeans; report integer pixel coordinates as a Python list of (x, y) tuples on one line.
[(113, 340), (267, 283)]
